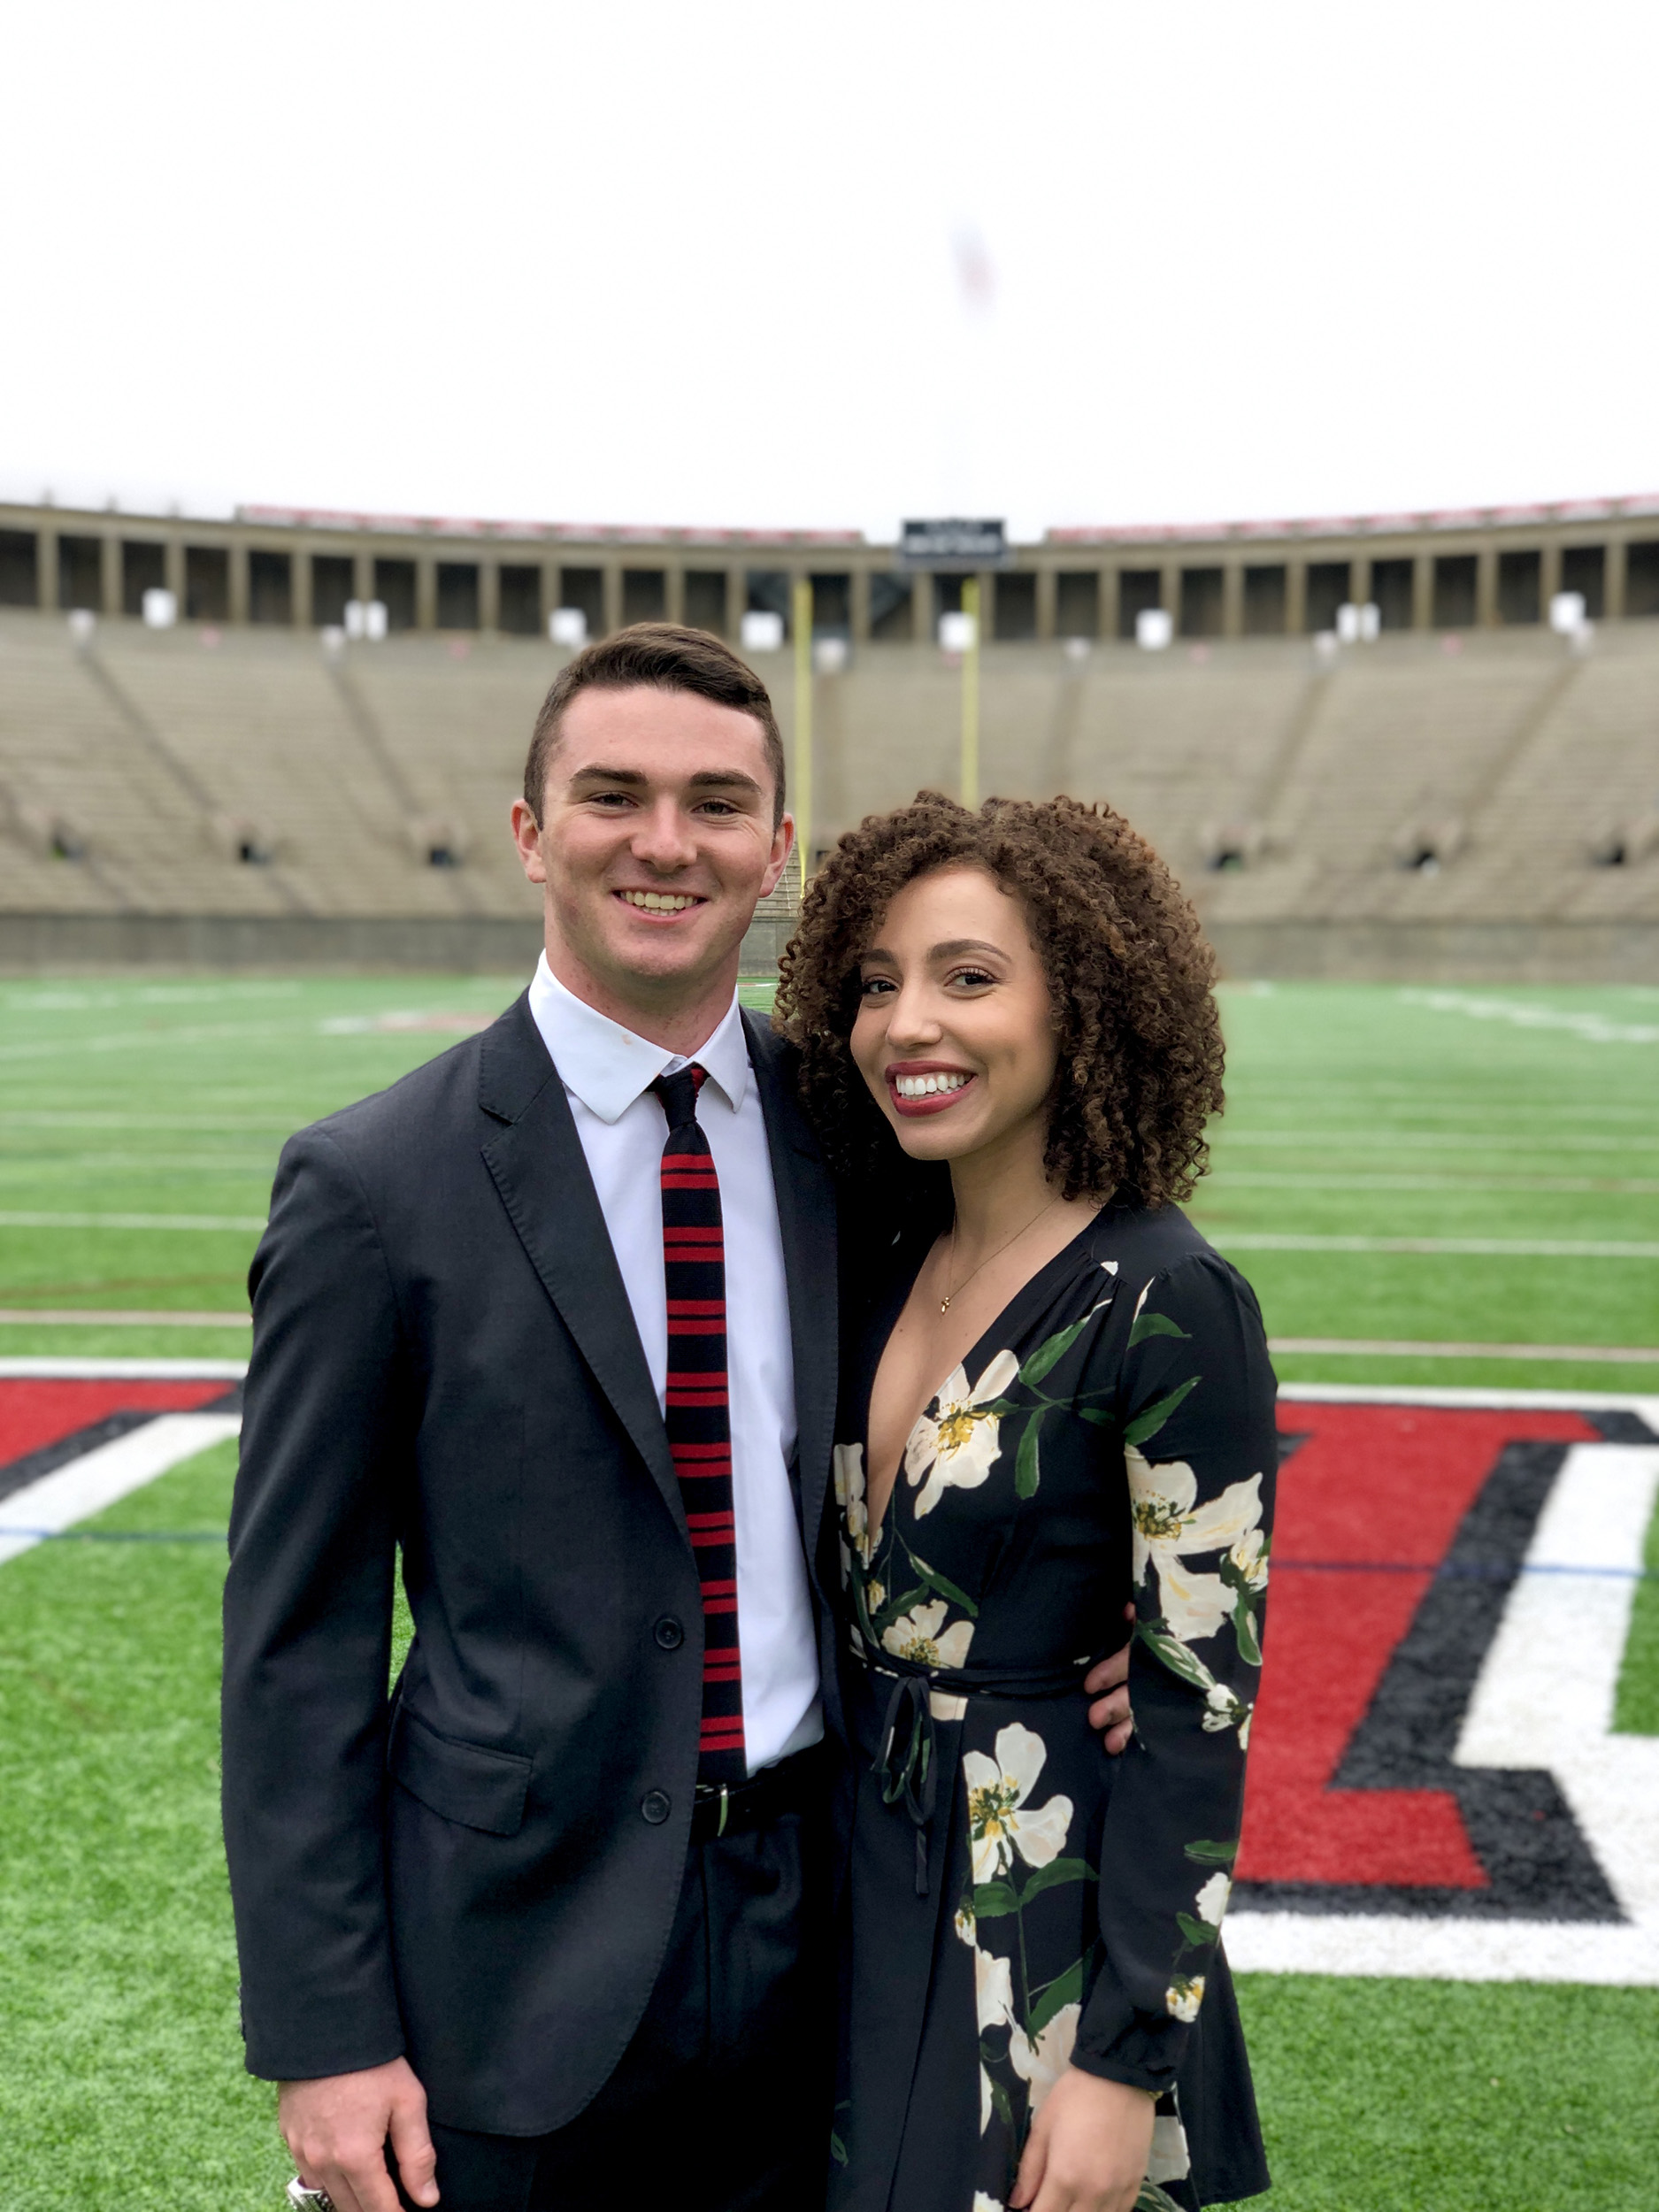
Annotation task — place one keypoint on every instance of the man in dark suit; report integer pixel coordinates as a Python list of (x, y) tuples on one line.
[(550, 1920)]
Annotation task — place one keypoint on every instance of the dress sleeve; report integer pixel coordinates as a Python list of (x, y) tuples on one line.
[(1194, 1411)]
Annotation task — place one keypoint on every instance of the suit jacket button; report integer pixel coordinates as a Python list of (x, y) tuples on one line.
[(655, 1807), (669, 1633)]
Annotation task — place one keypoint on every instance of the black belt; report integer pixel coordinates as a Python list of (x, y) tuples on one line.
[(723, 1810), (907, 1766)]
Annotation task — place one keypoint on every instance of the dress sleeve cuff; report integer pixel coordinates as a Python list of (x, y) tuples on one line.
[(1117, 2043)]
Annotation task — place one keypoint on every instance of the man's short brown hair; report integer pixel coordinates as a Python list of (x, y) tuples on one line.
[(662, 656)]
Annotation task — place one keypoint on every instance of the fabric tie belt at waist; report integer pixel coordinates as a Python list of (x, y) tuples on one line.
[(907, 1765)]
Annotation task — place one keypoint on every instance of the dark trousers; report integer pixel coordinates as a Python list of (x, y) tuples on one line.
[(721, 2102)]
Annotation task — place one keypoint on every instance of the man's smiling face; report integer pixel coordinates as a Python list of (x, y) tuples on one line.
[(656, 842)]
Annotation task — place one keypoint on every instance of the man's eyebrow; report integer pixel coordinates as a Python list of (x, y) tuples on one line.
[(724, 779), (594, 772)]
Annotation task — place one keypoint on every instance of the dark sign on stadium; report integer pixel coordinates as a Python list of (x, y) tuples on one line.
[(953, 543)]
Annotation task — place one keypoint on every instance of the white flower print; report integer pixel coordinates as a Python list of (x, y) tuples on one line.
[(999, 1822), (993, 1990), (1169, 1521), (1041, 2064), (918, 1637), (1168, 2160), (1183, 1997), (848, 1464), (956, 1447), (988, 2105), (1212, 1899), (1249, 1556), (1226, 1710), (945, 1708)]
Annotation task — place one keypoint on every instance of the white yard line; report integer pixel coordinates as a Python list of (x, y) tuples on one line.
[(1484, 1247), (83, 1317), (96, 1479), (44, 1367), (1390, 1348), (1556, 1185), (1643, 1404), (242, 1222)]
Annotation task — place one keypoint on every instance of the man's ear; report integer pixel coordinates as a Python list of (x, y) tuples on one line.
[(782, 845), (526, 834)]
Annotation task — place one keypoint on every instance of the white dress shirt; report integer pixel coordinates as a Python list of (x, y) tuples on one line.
[(607, 1072)]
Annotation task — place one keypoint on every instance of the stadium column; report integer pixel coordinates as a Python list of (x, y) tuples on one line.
[(1613, 580), (302, 573), (110, 572), (363, 577), (1110, 599), (46, 570), (612, 578), (736, 602), (922, 606), (1169, 592), (550, 588), (172, 569), (1548, 575), (236, 562), (1359, 578), (674, 592), (1423, 591), (1045, 602), (489, 594), (1232, 599), (858, 610), (1295, 598), (425, 591), (1487, 587)]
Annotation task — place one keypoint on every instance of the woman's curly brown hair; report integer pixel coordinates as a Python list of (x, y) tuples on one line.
[(1129, 971)]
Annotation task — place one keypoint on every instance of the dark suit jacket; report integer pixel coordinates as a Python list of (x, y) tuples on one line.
[(483, 1870)]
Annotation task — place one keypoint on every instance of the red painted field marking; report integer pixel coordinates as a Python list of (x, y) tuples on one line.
[(1383, 1483), (33, 1413)]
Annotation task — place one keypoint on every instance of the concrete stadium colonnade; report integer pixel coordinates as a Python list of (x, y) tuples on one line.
[(1491, 569)]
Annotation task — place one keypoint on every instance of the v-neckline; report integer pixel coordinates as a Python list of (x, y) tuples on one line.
[(891, 1312)]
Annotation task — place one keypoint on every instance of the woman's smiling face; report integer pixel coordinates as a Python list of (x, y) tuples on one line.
[(955, 1032)]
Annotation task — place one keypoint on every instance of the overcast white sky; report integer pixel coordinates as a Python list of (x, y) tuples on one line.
[(661, 263)]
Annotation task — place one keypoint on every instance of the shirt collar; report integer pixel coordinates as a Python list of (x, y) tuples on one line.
[(608, 1066)]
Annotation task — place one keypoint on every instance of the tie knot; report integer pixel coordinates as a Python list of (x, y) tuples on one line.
[(679, 1094)]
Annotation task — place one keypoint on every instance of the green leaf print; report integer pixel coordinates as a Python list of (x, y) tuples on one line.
[(1058, 1871), (1064, 1989), (942, 1587), (1212, 1853), (1244, 1629), (994, 1900), (1027, 1473), (1158, 1413), (1175, 1654), (895, 1609), (1051, 1350), (1199, 1933), (1146, 1325)]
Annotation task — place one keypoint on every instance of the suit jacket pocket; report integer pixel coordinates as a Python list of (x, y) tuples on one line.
[(468, 1783)]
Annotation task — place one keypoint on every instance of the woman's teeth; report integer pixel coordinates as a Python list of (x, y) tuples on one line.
[(926, 1086), (659, 902)]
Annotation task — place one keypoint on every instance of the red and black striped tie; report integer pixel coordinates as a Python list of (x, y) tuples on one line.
[(698, 1413)]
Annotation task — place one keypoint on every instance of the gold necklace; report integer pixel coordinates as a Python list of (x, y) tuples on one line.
[(944, 1304)]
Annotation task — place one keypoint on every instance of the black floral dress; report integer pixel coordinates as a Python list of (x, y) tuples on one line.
[(1018, 1901)]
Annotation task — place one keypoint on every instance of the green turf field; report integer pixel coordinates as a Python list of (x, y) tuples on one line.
[(1357, 1112)]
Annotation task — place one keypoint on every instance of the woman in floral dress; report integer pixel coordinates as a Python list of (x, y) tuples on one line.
[(1058, 1401)]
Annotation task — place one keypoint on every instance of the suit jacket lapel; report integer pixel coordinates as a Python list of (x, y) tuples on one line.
[(806, 1216), (539, 1168)]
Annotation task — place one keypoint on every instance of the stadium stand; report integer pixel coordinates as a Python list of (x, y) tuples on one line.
[(1482, 800)]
